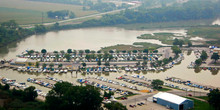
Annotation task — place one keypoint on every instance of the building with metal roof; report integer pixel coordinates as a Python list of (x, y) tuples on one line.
[(22, 61), (172, 101)]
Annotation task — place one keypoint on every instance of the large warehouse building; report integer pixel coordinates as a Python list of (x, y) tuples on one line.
[(172, 101)]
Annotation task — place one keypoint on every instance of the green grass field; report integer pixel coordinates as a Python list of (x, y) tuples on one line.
[(165, 38), (211, 33), (121, 48), (29, 12), (145, 45), (203, 97), (22, 16), (200, 105), (164, 89), (208, 32), (135, 46)]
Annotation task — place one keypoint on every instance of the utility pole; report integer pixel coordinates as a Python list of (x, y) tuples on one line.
[(42, 18), (194, 91)]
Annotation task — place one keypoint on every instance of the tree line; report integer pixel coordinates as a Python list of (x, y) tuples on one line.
[(64, 96), (15, 99), (188, 11), (10, 32), (73, 2), (193, 10)]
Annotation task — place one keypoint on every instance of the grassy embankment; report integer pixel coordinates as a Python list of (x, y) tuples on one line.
[(165, 38), (135, 46), (210, 33), (203, 97), (200, 105), (164, 89), (16, 100), (119, 98), (29, 12), (174, 24)]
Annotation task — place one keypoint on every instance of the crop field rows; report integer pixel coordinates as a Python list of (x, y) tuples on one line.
[(29, 12)]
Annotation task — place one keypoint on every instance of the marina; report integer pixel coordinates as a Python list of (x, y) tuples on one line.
[(122, 76), (21, 86), (109, 55), (110, 72)]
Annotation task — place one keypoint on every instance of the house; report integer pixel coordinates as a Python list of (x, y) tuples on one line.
[(172, 101)]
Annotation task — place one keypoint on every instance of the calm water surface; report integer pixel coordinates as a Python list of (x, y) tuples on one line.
[(95, 38), (87, 38)]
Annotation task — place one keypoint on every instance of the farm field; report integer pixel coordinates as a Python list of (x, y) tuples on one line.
[(29, 12)]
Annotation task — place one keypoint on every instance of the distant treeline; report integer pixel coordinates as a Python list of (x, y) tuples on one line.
[(189, 11), (60, 14), (74, 2), (103, 7), (10, 32), (194, 10), (89, 4)]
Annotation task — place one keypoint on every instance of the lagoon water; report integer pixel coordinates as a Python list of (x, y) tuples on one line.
[(95, 38), (86, 38)]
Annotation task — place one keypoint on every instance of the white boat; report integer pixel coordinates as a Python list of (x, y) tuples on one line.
[(19, 69), (107, 70), (56, 71), (61, 71), (135, 69), (65, 71), (44, 71), (127, 69), (39, 70)]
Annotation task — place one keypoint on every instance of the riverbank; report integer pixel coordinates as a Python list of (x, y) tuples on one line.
[(161, 25)]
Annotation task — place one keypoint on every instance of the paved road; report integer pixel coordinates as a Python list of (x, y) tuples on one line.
[(166, 52), (114, 86), (89, 16), (79, 18), (137, 98), (144, 96)]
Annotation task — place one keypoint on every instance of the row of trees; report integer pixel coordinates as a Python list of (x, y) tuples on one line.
[(63, 96), (102, 6), (87, 51), (215, 57), (66, 96), (165, 14), (202, 58), (18, 98), (10, 32), (178, 42), (74, 2), (176, 50)]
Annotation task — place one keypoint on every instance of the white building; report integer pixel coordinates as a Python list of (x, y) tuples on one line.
[(173, 101)]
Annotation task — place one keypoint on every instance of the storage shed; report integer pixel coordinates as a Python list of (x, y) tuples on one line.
[(22, 62), (172, 101)]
